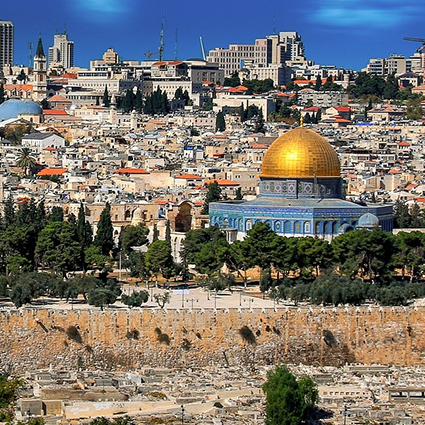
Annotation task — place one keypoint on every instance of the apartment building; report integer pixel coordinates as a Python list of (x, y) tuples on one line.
[(61, 54), (6, 43), (274, 49)]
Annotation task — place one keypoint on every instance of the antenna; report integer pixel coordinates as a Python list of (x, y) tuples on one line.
[(274, 24), (202, 48), (175, 47), (29, 54), (64, 29), (161, 41)]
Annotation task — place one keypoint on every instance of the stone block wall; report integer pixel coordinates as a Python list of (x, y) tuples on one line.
[(128, 339)]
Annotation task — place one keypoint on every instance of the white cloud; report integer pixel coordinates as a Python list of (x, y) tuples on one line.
[(378, 13)]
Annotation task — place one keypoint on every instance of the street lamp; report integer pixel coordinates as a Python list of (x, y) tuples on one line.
[(345, 414), (250, 301), (192, 300), (182, 407)]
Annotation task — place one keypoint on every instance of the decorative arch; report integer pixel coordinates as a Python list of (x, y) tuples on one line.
[(183, 220)]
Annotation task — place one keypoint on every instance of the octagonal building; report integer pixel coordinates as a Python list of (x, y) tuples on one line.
[(300, 193)]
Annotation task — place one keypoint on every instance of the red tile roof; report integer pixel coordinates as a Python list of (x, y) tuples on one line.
[(131, 171), (222, 182), (54, 112), (52, 172)]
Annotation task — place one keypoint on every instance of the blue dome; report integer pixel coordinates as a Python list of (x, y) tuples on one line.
[(14, 107), (368, 221)]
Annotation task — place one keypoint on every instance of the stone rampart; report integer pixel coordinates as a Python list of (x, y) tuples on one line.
[(128, 339)]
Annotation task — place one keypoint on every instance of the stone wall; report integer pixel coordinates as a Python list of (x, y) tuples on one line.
[(123, 339)]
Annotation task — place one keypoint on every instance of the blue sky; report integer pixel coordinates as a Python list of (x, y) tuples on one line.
[(339, 32)]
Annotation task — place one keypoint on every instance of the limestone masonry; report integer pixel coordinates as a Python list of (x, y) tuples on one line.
[(128, 339)]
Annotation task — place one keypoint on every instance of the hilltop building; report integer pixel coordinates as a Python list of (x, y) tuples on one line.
[(300, 193)]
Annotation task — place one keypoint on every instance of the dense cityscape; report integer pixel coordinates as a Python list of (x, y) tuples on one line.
[(234, 238)]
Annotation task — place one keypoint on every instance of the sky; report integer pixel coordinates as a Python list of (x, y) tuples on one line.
[(345, 33)]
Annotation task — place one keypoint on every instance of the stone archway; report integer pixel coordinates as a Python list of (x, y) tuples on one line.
[(183, 220)]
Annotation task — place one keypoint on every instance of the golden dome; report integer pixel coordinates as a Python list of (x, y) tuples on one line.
[(301, 153)]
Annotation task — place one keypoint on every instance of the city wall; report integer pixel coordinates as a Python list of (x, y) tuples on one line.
[(128, 339)]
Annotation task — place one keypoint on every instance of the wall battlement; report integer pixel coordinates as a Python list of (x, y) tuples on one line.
[(128, 339)]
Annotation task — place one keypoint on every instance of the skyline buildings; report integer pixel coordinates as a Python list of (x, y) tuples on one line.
[(345, 34), (6, 43), (61, 54)]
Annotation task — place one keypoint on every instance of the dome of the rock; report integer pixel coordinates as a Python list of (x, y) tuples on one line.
[(301, 153)]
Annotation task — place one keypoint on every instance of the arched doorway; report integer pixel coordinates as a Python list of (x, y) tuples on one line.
[(183, 221)]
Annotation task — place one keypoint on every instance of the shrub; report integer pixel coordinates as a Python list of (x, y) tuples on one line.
[(247, 335), (73, 333)]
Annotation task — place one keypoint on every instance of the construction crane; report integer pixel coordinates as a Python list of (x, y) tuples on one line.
[(421, 50), (202, 48), (149, 54)]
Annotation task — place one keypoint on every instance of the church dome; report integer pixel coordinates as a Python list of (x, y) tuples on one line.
[(14, 107), (368, 221), (301, 153)]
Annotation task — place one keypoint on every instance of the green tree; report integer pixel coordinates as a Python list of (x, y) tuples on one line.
[(220, 123), (56, 215), (138, 101), (401, 215), (104, 238), (168, 232), (238, 194), (57, 249), (318, 84), (233, 81), (162, 299), (213, 195), (9, 211), (84, 230), (2, 93), (288, 401), (411, 253), (155, 233), (135, 299), (364, 253), (99, 297), (159, 259), (26, 161), (105, 99), (9, 387), (133, 236), (259, 122)]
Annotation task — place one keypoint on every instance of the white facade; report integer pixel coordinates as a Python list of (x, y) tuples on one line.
[(39, 141)]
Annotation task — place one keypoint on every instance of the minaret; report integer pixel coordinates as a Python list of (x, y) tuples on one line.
[(40, 73), (113, 110)]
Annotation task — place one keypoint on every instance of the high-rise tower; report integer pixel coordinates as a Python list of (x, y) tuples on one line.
[(61, 54), (39, 73), (6, 44)]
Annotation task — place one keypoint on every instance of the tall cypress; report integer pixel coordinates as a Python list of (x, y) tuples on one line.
[(104, 238), (9, 211), (105, 99)]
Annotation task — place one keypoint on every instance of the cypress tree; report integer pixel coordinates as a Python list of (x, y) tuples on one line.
[(84, 231), (105, 99), (105, 233), (168, 232), (9, 211), (138, 101), (155, 235), (2, 94), (213, 195), (220, 124)]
